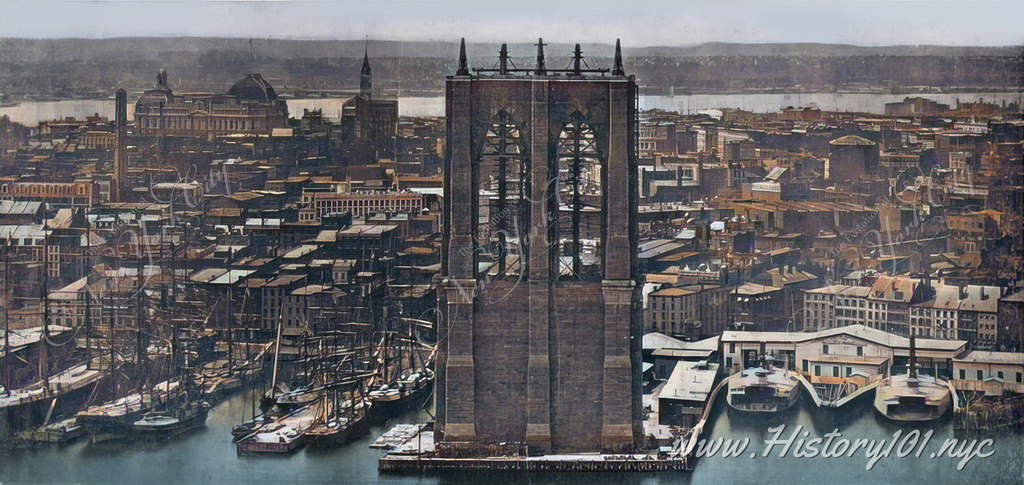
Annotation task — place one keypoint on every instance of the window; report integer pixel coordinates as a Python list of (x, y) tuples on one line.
[(860, 351), (999, 374), (728, 362), (835, 371), (805, 370), (1019, 377), (981, 376), (732, 347), (824, 349), (849, 371), (817, 370), (963, 375)]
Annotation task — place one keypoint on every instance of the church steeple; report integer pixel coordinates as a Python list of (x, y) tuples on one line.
[(365, 78)]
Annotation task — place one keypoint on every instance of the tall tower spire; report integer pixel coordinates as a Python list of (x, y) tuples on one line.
[(117, 186), (618, 70), (463, 63), (365, 76)]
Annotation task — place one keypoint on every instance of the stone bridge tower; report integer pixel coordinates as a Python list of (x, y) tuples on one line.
[(540, 337)]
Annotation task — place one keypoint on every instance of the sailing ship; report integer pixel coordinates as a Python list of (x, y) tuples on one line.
[(403, 383), (283, 435), (912, 397), (764, 389), (344, 408), (332, 429), (114, 418)]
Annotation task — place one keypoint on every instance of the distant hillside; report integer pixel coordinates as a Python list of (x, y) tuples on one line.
[(95, 67), (129, 48)]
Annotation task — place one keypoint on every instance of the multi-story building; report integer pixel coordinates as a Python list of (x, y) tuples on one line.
[(57, 195), (657, 138), (884, 304), (692, 311), (318, 204), (251, 106), (1010, 322), (965, 313), (820, 307)]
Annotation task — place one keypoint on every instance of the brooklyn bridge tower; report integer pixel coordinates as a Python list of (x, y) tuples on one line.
[(540, 338)]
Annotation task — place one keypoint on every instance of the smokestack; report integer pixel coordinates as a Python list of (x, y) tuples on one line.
[(913, 357), (118, 183)]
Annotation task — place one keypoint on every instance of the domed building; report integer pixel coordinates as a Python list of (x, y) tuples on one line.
[(253, 89), (249, 107)]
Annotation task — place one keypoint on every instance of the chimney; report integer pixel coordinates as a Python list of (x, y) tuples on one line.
[(913, 357)]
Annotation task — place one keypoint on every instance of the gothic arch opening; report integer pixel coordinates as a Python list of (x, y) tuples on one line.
[(503, 217), (579, 221)]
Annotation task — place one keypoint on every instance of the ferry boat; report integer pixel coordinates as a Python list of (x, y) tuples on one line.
[(910, 397), (763, 390)]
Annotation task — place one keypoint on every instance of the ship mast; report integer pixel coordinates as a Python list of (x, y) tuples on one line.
[(140, 339), (7, 316), (88, 297), (277, 351), (175, 342), (44, 372)]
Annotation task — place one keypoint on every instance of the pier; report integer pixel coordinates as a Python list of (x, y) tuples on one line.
[(842, 398), (419, 453)]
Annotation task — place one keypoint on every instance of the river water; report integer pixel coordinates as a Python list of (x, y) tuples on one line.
[(207, 455), (31, 113)]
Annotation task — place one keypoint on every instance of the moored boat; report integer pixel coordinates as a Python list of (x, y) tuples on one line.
[(763, 390), (117, 416), (342, 428), (192, 415), (912, 397), (409, 391), (282, 436)]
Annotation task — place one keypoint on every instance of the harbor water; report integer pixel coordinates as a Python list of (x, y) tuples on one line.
[(207, 455), (32, 112)]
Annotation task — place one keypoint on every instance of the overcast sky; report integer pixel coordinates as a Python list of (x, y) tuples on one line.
[(638, 23)]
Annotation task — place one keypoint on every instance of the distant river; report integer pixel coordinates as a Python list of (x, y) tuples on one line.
[(208, 456), (31, 113)]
